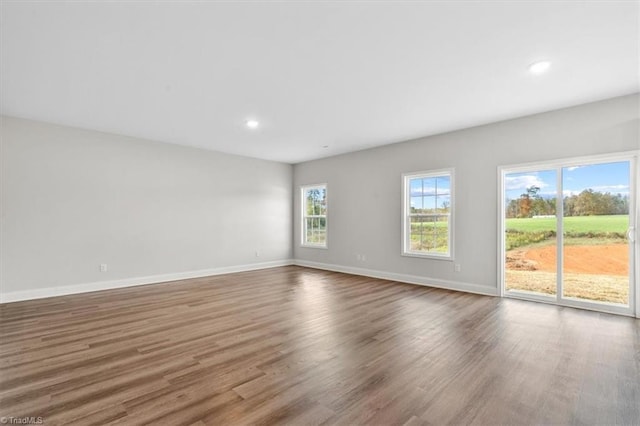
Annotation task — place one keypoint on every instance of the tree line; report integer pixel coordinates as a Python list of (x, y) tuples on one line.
[(587, 203)]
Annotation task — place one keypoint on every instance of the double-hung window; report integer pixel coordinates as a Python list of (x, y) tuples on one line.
[(314, 215), (428, 214)]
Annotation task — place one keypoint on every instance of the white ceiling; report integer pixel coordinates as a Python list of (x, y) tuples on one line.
[(350, 75)]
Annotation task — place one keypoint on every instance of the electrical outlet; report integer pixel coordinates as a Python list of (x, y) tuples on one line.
[(257, 253), (103, 267), (363, 257), (457, 267)]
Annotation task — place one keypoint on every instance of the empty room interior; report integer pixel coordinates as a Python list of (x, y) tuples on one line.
[(319, 212)]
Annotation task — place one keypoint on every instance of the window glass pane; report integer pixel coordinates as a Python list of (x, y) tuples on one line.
[(321, 235), (416, 204), (429, 240), (308, 196), (322, 201), (530, 232), (595, 249), (441, 237), (443, 203), (316, 232), (417, 233), (308, 229), (429, 234), (429, 186), (429, 204), (415, 186), (421, 233), (315, 201), (444, 185)]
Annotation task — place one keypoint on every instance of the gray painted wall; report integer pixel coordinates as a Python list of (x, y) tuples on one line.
[(74, 199), (364, 188)]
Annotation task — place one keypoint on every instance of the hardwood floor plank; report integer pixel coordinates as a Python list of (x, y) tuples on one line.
[(300, 346)]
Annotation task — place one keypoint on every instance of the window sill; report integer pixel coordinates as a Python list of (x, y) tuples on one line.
[(314, 246), (428, 256)]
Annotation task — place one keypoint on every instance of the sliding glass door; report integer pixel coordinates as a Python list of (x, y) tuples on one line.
[(595, 232), (568, 234), (530, 232)]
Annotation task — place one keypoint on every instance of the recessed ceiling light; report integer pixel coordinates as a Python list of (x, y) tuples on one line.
[(539, 67), (252, 124)]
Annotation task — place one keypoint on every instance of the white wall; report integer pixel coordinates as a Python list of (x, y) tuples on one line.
[(74, 199), (364, 189)]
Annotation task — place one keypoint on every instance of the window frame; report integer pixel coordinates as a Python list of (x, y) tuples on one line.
[(406, 215), (304, 216), (634, 217)]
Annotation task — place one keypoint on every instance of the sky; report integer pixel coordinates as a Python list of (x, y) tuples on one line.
[(427, 193), (606, 177)]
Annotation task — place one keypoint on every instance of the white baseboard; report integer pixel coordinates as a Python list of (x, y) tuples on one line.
[(130, 282), (17, 296), (405, 278)]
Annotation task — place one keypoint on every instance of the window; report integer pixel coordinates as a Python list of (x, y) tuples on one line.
[(428, 219), (314, 216)]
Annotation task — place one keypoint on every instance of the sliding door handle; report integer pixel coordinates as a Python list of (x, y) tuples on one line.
[(631, 234)]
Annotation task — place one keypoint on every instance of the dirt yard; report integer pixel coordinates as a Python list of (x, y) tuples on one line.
[(598, 272), (610, 259)]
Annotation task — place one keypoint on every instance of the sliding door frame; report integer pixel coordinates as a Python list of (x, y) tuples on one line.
[(634, 246)]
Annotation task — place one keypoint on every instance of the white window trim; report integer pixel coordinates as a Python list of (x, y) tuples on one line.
[(303, 189), (406, 208)]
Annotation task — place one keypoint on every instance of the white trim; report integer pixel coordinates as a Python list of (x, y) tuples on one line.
[(501, 232), (634, 222), (406, 207), (41, 293), (559, 234), (428, 256), (404, 278), (531, 295), (608, 308), (570, 161)]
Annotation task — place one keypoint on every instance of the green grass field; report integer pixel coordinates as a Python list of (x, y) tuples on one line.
[(578, 224), (430, 236), (578, 230)]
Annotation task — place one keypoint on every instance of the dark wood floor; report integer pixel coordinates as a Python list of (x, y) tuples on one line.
[(302, 346)]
